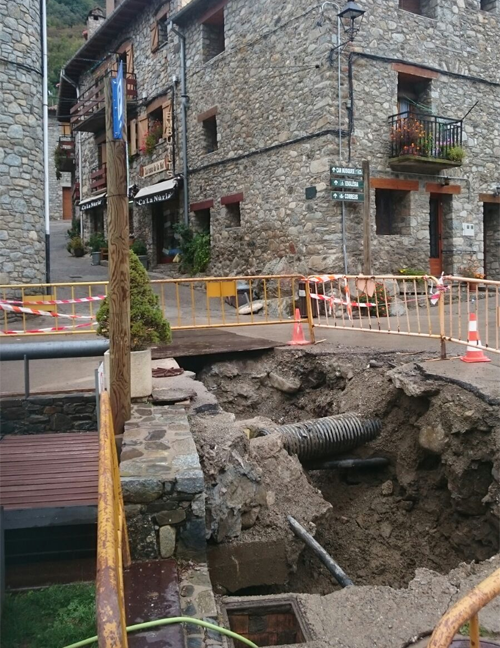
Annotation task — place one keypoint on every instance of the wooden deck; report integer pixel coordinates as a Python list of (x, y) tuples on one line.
[(48, 475)]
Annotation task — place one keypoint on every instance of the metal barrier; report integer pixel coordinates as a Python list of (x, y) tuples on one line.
[(462, 297), (466, 610), (211, 302), (113, 553)]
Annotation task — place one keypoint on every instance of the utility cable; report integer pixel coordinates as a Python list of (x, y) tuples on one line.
[(174, 620)]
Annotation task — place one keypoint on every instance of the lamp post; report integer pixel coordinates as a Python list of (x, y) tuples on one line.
[(347, 19)]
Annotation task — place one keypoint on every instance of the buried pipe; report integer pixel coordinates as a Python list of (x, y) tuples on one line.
[(339, 464), (326, 436), (337, 572)]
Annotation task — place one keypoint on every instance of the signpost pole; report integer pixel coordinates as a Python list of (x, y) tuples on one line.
[(118, 245), (367, 247)]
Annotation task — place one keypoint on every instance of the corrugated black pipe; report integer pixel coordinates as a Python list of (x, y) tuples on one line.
[(337, 572), (327, 436)]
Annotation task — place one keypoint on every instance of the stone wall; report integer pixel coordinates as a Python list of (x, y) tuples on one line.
[(22, 238), (51, 413), (56, 206), (492, 241), (278, 127), (163, 486)]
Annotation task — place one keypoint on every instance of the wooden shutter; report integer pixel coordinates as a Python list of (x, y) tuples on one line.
[(130, 59), (167, 121), (155, 36), (142, 130), (133, 136)]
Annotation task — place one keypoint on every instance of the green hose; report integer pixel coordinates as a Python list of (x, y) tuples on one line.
[(172, 621)]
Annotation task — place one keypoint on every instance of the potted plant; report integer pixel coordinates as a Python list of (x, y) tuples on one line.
[(412, 286), (152, 137), (147, 328), (456, 154), (96, 243), (141, 250), (471, 271), (76, 247)]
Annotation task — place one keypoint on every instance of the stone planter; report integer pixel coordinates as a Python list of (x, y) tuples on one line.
[(96, 258), (140, 372)]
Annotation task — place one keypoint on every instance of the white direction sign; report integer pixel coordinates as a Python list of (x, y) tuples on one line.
[(348, 197), (352, 171)]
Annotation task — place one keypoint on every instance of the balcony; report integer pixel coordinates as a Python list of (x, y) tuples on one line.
[(65, 154), (424, 143), (76, 192), (88, 114), (98, 179)]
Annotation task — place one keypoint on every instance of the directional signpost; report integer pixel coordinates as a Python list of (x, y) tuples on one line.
[(347, 183)]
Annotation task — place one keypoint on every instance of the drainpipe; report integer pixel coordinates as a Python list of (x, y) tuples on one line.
[(45, 93), (184, 102), (79, 141)]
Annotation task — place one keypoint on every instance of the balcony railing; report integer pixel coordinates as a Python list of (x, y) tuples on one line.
[(98, 179), (66, 153), (420, 138), (87, 114)]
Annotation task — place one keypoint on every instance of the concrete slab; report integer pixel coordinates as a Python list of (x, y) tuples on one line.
[(482, 379)]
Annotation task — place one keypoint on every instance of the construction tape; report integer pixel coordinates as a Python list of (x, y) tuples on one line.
[(55, 302), (30, 311), (322, 278), (49, 330)]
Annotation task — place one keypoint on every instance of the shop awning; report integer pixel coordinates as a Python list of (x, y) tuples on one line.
[(157, 192), (92, 202)]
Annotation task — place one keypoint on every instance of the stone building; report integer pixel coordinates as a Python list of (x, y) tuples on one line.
[(22, 231), (62, 156), (419, 100)]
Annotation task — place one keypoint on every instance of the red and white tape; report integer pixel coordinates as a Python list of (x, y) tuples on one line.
[(30, 311), (323, 278), (49, 330), (340, 302), (55, 302)]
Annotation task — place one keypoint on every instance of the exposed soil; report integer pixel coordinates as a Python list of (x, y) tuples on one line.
[(435, 504)]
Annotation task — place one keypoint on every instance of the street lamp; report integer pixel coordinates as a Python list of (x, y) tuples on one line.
[(348, 17)]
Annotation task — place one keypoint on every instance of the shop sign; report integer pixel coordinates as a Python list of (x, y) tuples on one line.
[(155, 167), (156, 198), (92, 204)]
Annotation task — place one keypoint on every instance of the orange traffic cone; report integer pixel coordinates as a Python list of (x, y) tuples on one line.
[(298, 334), (474, 354)]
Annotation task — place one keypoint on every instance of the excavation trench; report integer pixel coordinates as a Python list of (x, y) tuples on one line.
[(434, 504)]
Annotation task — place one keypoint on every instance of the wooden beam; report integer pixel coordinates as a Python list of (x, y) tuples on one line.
[(434, 187), (199, 206), (415, 70), (119, 267), (489, 198), (367, 252), (211, 112), (212, 11), (395, 184), (233, 198)]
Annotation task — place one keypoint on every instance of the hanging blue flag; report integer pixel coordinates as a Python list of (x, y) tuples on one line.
[(117, 87)]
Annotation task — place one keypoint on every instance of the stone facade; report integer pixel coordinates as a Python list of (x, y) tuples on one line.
[(22, 238), (51, 413), (262, 138), (55, 185)]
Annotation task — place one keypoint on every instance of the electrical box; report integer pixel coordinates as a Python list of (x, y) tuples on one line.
[(468, 229)]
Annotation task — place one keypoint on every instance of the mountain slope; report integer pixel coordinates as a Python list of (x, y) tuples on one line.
[(66, 19)]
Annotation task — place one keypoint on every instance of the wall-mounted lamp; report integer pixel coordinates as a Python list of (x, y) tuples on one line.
[(351, 17)]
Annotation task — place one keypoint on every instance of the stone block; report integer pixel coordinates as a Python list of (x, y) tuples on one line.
[(143, 543), (141, 491), (190, 481), (170, 517), (285, 385), (193, 536), (167, 536)]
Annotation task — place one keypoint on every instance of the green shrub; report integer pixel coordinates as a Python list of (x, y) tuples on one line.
[(379, 297), (413, 272), (139, 248), (456, 154), (75, 245), (74, 230), (97, 242), (147, 323), (195, 249)]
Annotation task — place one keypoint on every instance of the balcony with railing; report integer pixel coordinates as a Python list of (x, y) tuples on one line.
[(88, 114), (65, 154), (424, 143), (98, 179)]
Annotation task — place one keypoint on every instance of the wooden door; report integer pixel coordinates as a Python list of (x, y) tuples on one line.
[(436, 235), (67, 204)]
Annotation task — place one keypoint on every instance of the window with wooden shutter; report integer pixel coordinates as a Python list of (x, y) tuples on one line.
[(155, 36), (159, 30), (142, 128), (167, 121)]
